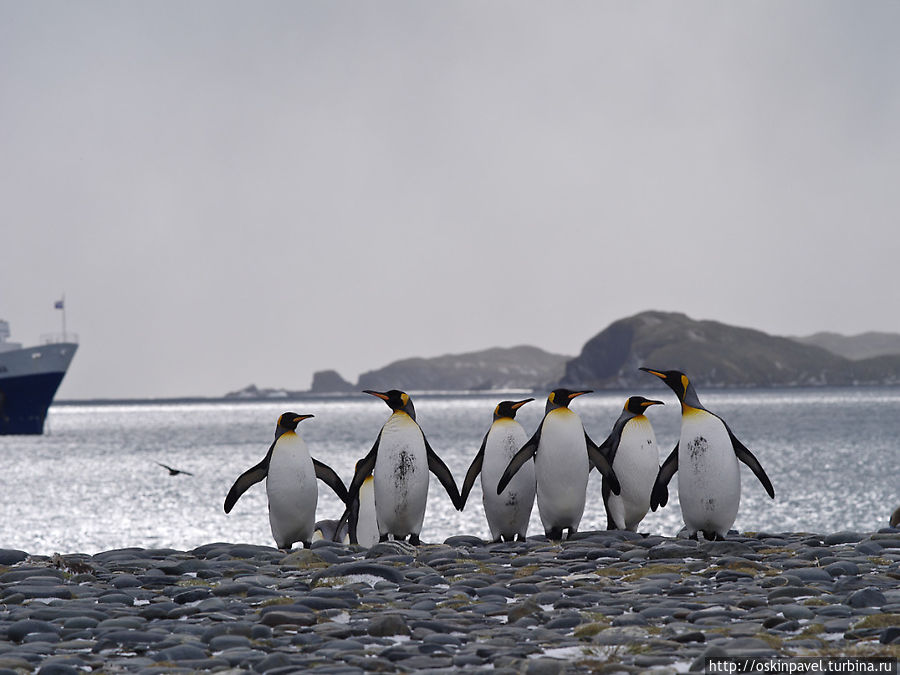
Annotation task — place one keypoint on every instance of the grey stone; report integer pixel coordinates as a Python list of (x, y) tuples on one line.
[(846, 537), (11, 556), (869, 548), (20, 630), (890, 635), (281, 617), (223, 642), (545, 666), (59, 669), (842, 568), (711, 652), (181, 653), (866, 597), (812, 574), (388, 624)]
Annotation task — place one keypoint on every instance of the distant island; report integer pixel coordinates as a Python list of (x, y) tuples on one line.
[(715, 354)]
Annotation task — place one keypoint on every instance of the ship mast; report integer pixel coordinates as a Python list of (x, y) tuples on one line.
[(61, 304)]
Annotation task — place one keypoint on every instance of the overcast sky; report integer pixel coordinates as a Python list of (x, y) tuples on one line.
[(247, 192)]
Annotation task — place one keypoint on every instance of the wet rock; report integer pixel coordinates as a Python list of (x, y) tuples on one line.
[(846, 537), (11, 556), (20, 630), (388, 624), (866, 597)]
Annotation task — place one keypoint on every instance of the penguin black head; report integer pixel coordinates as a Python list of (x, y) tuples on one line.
[(560, 398), (637, 405), (509, 408), (289, 421), (398, 401), (680, 384)]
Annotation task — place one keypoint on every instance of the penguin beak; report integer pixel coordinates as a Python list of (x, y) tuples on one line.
[(647, 404), (580, 393), (654, 372), (519, 404), (377, 394), (300, 418)]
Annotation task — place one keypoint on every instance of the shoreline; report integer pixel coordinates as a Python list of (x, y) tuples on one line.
[(610, 601)]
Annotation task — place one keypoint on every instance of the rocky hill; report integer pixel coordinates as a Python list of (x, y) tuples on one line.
[(520, 367), (714, 354), (856, 347)]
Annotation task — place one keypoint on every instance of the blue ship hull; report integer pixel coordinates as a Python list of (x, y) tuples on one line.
[(29, 379), (24, 402)]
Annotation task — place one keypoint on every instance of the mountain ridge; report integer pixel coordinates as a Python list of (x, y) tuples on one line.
[(715, 354)]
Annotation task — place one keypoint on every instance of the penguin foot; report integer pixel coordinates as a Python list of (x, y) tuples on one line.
[(554, 533), (383, 538), (572, 531), (414, 539)]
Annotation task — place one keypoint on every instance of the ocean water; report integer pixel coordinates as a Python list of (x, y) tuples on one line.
[(91, 483)]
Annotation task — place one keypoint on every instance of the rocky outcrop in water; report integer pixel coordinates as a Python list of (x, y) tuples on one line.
[(330, 382)]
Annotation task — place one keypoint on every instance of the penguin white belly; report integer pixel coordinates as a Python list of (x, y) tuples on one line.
[(561, 466), (292, 491), (709, 480), (509, 512), (401, 477), (636, 465), (367, 523)]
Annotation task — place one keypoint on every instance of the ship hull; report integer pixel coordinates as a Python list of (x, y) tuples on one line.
[(29, 379)]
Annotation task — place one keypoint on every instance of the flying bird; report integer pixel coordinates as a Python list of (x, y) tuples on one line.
[(173, 471)]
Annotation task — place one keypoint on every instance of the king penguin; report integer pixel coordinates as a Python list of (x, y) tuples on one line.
[(400, 461), (360, 518), (291, 489), (331, 530), (508, 512), (632, 453), (563, 454), (706, 459)]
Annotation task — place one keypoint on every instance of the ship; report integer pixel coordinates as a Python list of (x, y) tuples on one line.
[(29, 378)]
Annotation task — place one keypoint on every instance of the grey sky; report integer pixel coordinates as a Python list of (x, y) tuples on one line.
[(243, 192)]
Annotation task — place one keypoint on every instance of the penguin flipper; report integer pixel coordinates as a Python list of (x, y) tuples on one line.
[(349, 519), (611, 444), (659, 496), (605, 491), (364, 468), (245, 481), (328, 476), (603, 465), (438, 468), (474, 470), (523, 455), (748, 458)]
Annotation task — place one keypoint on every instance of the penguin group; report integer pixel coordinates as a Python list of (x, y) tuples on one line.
[(387, 495)]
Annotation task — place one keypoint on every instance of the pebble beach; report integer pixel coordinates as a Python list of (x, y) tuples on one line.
[(601, 602)]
